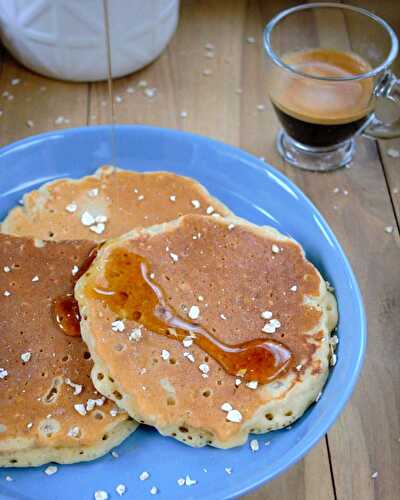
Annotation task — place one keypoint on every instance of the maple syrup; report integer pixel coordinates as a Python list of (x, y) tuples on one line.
[(65, 308), (131, 294)]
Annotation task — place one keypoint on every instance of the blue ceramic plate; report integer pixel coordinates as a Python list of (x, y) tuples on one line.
[(252, 190)]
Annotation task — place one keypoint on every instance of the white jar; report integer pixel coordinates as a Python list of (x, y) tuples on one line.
[(66, 38)]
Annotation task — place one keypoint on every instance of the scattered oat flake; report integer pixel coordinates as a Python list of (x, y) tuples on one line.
[(119, 99), (3, 373), (77, 387), (183, 114), (234, 416), (189, 481), (194, 312), (114, 454), (6, 293), (238, 382), (26, 356), (333, 359), (60, 120), (268, 328), (254, 445), (29, 123), (136, 334), (8, 478), (87, 219), (142, 84), (275, 322), (204, 368), (15, 81), (393, 153), (336, 190), (120, 489), (250, 39), (196, 203), (74, 432), (210, 210), (189, 356), (35, 278), (6, 269), (226, 407), (165, 355), (200, 298), (266, 314), (187, 342), (261, 107), (299, 367), (172, 197), (98, 228), (118, 325), (228, 470), (253, 384), (267, 443), (51, 469), (93, 192), (275, 249), (71, 208), (389, 229), (144, 475), (222, 316), (100, 495), (374, 475), (74, 270), (153, 490), (150, 92), (30, 425), (207, 72), (180, 481), (80, 408), (231, 226), (293, 288), (174, 257)]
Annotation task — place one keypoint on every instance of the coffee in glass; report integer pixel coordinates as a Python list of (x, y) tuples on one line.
[(324, 85)]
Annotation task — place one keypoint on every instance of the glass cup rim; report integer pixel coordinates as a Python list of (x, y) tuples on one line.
[(287, 12)]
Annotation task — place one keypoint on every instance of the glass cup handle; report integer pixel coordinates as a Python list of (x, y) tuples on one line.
[(387, 89)]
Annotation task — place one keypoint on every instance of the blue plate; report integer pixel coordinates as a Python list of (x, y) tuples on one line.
[(252, 190)]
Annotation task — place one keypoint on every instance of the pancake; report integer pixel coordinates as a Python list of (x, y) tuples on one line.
[(43, 372), (197, 276), (107, 204)]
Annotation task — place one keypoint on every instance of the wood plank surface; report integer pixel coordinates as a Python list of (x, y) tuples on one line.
[(31, 103), (216, 93)]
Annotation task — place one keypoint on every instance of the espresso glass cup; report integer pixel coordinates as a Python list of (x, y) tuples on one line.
[(328, 73)]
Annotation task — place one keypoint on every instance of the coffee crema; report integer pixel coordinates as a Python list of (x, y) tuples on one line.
[(319, 112)]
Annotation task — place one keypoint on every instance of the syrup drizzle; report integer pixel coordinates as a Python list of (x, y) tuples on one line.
[(133, 295), (65, 308), (109, 80)]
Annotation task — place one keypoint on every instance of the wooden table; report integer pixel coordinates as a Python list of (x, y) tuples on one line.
[(366, 437)]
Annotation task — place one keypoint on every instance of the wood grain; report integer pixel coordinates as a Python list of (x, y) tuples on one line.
[(37, 102)]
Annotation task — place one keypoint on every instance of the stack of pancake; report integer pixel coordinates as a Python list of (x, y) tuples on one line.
[(192, 320)]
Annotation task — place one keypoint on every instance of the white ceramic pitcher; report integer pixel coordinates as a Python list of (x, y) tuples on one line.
[(66, 38)]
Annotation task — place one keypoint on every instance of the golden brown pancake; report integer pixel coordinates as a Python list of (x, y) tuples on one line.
[(107, 204), (43, 372), (236, 281)]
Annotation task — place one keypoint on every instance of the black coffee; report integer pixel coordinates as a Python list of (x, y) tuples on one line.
[(322, 113)]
